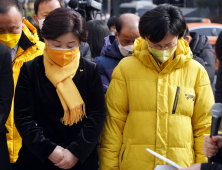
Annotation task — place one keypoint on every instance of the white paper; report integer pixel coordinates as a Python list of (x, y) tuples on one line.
[(165, 167), (164, 159)]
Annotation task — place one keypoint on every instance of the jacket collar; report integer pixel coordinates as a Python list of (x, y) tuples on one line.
[(111, 49), (28, 38), (183, 55)]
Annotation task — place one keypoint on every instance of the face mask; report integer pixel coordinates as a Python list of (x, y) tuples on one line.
[(10, 40), (160, 55), (125, 50), (40, 22), (61, 56), (112, 33)]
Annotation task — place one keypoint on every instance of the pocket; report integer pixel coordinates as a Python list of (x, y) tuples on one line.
[(186, 101), (124, 154)]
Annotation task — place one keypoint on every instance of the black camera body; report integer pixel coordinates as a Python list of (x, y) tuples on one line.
[(87, 8)]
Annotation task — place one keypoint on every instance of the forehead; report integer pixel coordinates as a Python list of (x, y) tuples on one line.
[(167, 39), (128, 33), (67, 37), (12, 18), (48, 6)]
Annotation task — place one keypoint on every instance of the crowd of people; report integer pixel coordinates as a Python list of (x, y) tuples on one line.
[(89, 95)]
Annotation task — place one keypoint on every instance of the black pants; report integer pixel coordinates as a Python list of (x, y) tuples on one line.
[(4, 154)]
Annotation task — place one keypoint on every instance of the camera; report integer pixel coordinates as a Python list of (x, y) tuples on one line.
[(87, 8)]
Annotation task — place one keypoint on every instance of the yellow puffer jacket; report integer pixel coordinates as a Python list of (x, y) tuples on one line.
[(29, 48), (139, 104)]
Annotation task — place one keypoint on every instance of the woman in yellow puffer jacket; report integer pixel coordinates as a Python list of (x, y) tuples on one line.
[(158, 99)]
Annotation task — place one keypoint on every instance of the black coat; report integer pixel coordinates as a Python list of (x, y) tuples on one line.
[(217, 162), (201, 47), (6, 94), (38, 114), (218, 86)]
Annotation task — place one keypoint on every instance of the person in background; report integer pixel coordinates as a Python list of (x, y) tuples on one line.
[(6, 94), (97, 31), (112, 24), (43, 8), (159, 98), (59, 102), (32, 21), (21, 36), (218, 86), (212, 148), (186, 37), (117, 47), (201, 47)]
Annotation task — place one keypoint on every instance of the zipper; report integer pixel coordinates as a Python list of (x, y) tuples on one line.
[(122, 156), (157, 62), (176, 100)]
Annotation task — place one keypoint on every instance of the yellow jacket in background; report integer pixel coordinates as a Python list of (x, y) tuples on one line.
[(139, 104), (29, 48)]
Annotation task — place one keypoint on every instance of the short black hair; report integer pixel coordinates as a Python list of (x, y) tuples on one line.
[(158, 22), (112, 22), (119, 25), (218, 48), (97, 31), (38, 2), (5, 5), (61, 21)]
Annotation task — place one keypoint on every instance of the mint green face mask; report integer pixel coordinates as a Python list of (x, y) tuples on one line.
[(160, 55)]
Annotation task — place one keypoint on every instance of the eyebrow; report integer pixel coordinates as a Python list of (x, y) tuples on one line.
[(13, 27), (57, 41), (71, 42), (167, 43)]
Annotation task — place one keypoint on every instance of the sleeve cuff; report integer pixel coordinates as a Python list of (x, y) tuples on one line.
[(46, 151)]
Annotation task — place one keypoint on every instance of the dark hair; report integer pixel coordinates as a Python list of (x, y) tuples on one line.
[(32, 21), (97, 31), (158, 22), (61, 21), (112, 22), (119, 25), (5, 5), (38, 2), (218, 48)]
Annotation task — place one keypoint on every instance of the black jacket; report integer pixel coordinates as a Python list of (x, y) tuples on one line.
[(38, 114), (6, 94), (218, 86), (6, 86), (201, 47), (217, 162)]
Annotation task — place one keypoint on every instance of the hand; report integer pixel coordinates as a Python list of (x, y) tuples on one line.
[(57, 155), (68, 161), (211, 146), (193, 167)]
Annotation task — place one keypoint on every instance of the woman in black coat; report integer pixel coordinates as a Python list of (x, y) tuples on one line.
[(6, 94), (59, 102)]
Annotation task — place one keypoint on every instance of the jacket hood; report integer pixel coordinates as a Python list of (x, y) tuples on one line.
[(111, 49), (198, 42), (183, 55), (28, 38)]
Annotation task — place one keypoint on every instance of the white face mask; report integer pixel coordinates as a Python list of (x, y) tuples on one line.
[(112, 33), (40, 22), (125, 50)]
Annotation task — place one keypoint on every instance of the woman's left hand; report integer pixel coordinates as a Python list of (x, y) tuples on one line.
[(193, 167), (68, 161)]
